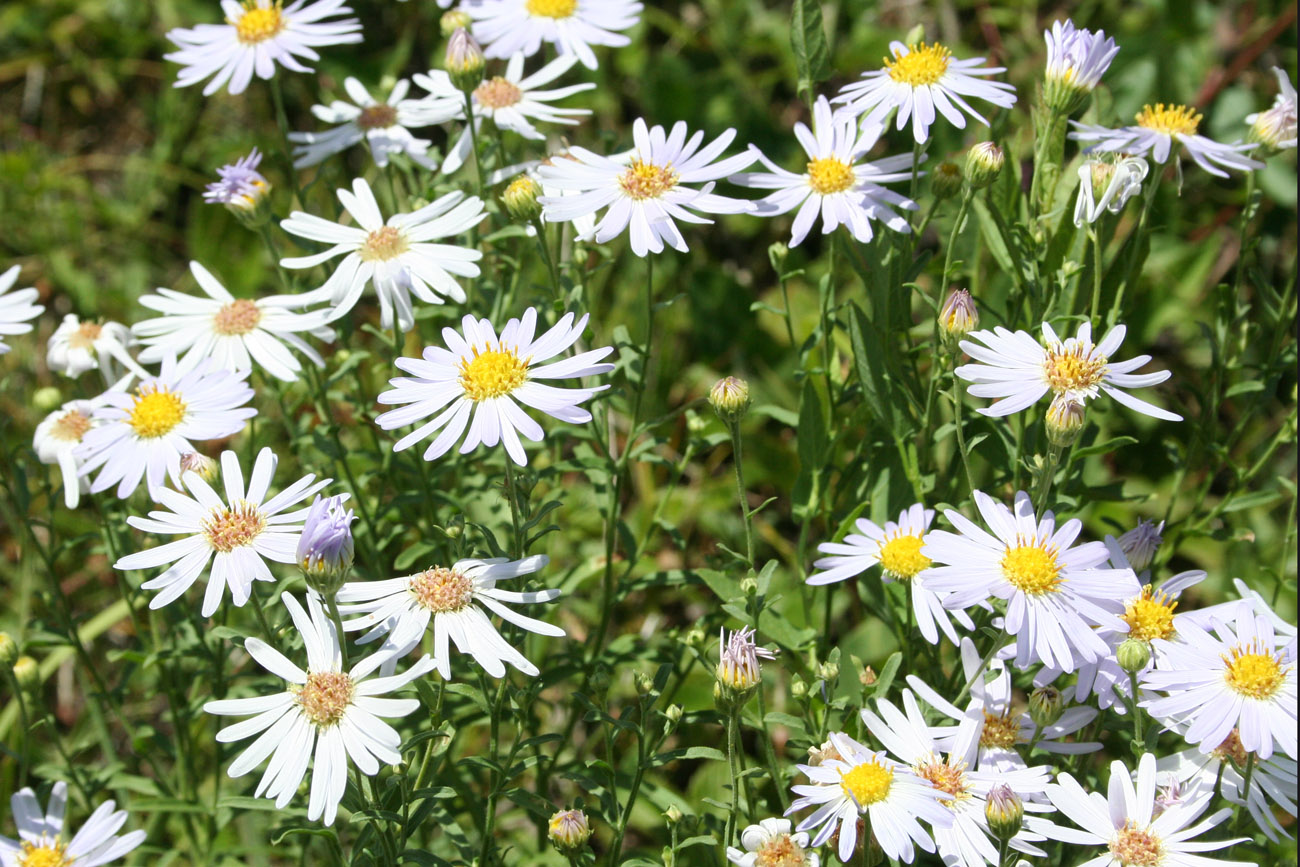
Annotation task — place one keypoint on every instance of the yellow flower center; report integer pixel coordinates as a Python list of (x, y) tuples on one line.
[(1002, 732), (922, 65), (867, 783), (1150, 615), (156, 412), (1254, 671), (492, 373), (947, 777), (377, 117), (71, 426), (1169, 119), (497, 93), (1231, 748), (780, 851), (647, 181), (442, 590), (829, 175), (49, 853), (1032, 569), (1134, 848), (259, 23), (1071, 370), (85, 335), (552, 8), (325, 697), (383, 244), (238, 317), (231, 528), (901, 556)]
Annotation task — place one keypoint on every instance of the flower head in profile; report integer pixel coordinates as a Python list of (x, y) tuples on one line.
[(326, 548), (570, 26), (771, 843), (648, 194), (837, 183), (324, 712), (739, 669), (1076, 61), (1107, 184), (257, 35), (1158, 130), (60, 433), (479, 380), (1276, 127), (239, 185), (79, 345), (16, 308), (569, 830), (921, 82), (455, 602), (1020, 370), (41, 841), (235, 535), (395, 255)]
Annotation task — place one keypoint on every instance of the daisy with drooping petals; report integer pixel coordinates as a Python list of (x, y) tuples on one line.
[(16, 308), (1016, 367), (395, 255), (505, 27), (235, 333), (647, 195), (1054, 593), (512, 101), (1126, 825), (257, 35), (836, 183), (861, 783), (1158, 130), (770, 844), (1107, 185), (239, 185), (324, 711), (920, 81), (40, 840), (1240, 677), (236, 535), (457, 602), (1276, 127), (897, 548), (79, 345), (143, 435), (384, 126), (56, 439), (482, 375)]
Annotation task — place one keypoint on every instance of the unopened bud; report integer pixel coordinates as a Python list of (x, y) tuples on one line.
[(749, 586), (1065, 417), (8, 650), (326, 548), (776, 254), (47, 399), (464, 61), (730, 399), (983, 164), (453, 20), (27, 673), (1004, 811), (1045, 706), (674, 713), (739, 672), (569, 831), (695, 638), (696, 423), (1133, 655), (520, 199), (672, 814), (959, 316), (206, 467), (946, 180), (644, 683), (1141, 543), (798, 688), (828, 671)]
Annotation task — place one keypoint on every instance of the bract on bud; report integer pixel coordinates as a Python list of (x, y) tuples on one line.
[(1133, 655), (674, 713), (1004, 811), (27, 673), (673, 814), (777, 254), (983, 164), (1065, 418), (959, 315), (569, 831), (1045, 706), (730, 399), (946, 180), (453, 20), (520, 199), (464, 61), (326, 548)]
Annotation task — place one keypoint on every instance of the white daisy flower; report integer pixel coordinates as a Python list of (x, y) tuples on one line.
[(484, 375), (897, 548), (144, 435), (863, 784), (1054, 593), (1209, 617), (1107, 185), (649, 193), (919, 81), (836, 183), (770, 844), (1239, 677), (1000, 729), (384, 126), (457, 601), (512, 101), (505, 27), (16, 308), (57, 436), (395, 255), (324, 710), (236, 333), (40, 840), (236, 535), (79, 345), (1276, 127), (1126, 825), (257, 35), (1076, 61), (1015, 366), (909, 739), (1158, 130), (239, 185)]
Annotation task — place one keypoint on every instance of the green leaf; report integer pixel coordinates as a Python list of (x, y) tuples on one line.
[(1109, 445), (814, 442), (869, 359), (886, 677), (808, 39)]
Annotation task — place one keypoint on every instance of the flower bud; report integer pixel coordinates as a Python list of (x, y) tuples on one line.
[(695, 638), (1065, 417), (695, 423), (569, 831), (464, 61), (644, 684), (730, 399), (1004, 811), (674, 713), (1141, 543), (867, 677), (27, 673), (453, 20), (1045, 706), (749, 586), (738, 671), (672, 814), (946, 180), (206, 467), (520, 199), (983, 164), (8, 650), (777, 254), (798, 688), (326, 548), (47, 399), (959, 315), (1133, 655), (828, 671)]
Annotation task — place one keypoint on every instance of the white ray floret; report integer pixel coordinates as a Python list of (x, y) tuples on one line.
[(78, 345), (506, 27), (1158, 131), (1276, 127), (239, 185), (16, 308), (41, 834), (1076, 58), (770, 843), (1107, 185), (57, 437), (324, 711)]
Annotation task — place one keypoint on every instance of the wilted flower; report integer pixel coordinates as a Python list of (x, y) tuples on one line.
[(1140, 544), (738, 668), (1076, 61), (325, 548), (1106, 185), (241, 186), (1276, 128)]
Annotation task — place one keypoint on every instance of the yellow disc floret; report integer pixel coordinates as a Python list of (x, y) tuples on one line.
[(1136, 848), (922, 65), (492, 373), (1073, 369), (552, 8), (867, 783), (1032, 568), (383, 244), (439, 590), (1150, 615), (325, 697), (1002, 732), (155, 412), (498, 92), (780, 851), (901, 556), (44, 853), (1169, 119), (644, 180), (829, 175), (238, 317), (1254, 671), (231, 528), (948, 777), (259, 23)]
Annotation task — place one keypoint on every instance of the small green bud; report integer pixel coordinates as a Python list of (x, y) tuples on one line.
[(520, 199), (946, 180), (453, 20), (695, 638), (983, 164), (1133, 655), (1065, 419), (798, 688), (47, 399), (464, 61), (695, 423), (644, 684), (730, 399), (674, 713), (672, 814), (776, 254), (1045, 706), (27, 673), (1004, 811), (749, 586), (828, 671), (8, 650), (569, 831)]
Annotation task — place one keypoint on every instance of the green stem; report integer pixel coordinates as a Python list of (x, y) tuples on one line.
[(1096, 273), (556, 286), (984, 663), (473, 139), (961, 434), (512, 497), (1046, 474), (733, 767), (745, 515)]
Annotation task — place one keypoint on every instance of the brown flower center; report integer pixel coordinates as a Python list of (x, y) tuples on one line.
[(238, 317), (380, 116), (442, 590), (231, 528), (497, 93), (325, 697)]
